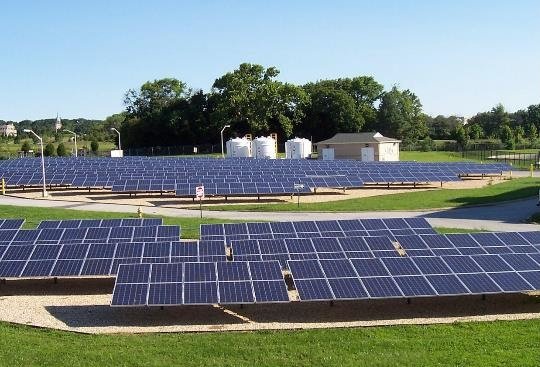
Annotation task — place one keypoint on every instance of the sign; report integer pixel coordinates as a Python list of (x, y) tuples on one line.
[(199, 192), (298, 186)]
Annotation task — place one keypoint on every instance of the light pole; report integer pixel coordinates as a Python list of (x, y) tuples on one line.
[(75, 135), (222, 149), (118, 132), (44, 194)]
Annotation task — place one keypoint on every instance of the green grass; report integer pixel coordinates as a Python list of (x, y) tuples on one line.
[(440, 198), (445, 230), (11, 149), (33, 215), (438, 156), (501, 343)]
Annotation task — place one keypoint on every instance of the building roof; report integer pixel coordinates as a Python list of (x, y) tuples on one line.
[(348, 138)]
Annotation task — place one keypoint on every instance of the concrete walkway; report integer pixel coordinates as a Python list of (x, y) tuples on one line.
[(507, 216)]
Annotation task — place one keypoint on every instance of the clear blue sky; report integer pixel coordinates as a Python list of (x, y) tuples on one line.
[(78, 58)]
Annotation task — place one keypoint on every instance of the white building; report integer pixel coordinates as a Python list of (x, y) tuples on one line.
[(363, 146), (8, 130)]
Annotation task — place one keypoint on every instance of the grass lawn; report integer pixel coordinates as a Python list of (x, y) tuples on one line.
[(501, 343), (441, 198), (435, 156), (190, 226), (445, 230)]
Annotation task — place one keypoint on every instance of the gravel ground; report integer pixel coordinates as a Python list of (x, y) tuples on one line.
[(83, 306)]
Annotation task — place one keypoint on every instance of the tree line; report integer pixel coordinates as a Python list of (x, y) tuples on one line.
[(251, 99)]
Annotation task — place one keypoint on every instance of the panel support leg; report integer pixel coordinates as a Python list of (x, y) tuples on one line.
[(483, 297), (408, 301)]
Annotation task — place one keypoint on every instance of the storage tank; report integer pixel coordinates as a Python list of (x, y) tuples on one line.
[(238, 147), (264, 147), (297, 148)]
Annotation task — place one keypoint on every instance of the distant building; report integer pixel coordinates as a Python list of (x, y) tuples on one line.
[(58, 123), (8, 130), (363, 146)]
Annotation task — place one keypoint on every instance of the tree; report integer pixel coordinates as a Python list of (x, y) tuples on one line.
[(442, 127), (152, 97), (400, 115), (25, 147), (94, 146), (250, 99), (331, 111), (507, 137), (49, 150), (475, 131), (61, 150), (461, 137), (519, 134)]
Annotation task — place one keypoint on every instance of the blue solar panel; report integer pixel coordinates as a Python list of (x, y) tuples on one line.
[(130, 294), (233, 271), (236, 292), (448, 284), (347, 288), (67, 268), (200, 293), (414, 286), (38, 268), (306, 269), (491, 263), (313, 289), (400, 266), (381, 287), (431, 265), (10, 269), (164, 294), (341, 268), (462, 264), (136, 273), (510, 282), (479, 283), (369, 267)]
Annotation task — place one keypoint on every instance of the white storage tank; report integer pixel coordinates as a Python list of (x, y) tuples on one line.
[(238, 147), (264, 147), (297, 148)]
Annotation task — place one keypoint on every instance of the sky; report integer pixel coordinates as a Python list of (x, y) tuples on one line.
[(78, 58)]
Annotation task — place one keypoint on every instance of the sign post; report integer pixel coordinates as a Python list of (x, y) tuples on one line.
[(298, 187), (199, 193)]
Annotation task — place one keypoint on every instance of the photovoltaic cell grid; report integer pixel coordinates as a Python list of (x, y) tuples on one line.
[(100, 259), (87, 223), (346, 279), (243, 176), (83, 234), (200, 283), (389, 227)]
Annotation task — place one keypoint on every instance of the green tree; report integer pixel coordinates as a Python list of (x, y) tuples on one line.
[(400, 115), (250, 99), (61, 150), (49, 150), (475, 131), (442, 127), (25, 147), (507, 137), (532, 131), (519, 134), (461, 136), (94, 146), (152, 97)]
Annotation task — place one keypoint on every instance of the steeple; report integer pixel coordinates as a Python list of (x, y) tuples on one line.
[(58, 124)]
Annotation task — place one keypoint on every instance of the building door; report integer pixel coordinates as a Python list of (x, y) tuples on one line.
[(368, 154), (328, 154)]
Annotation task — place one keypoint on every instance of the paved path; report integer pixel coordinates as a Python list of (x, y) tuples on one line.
[(507, 216)]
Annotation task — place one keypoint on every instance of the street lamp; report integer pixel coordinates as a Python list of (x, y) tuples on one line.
[(222, 149), (42, 159), (75, 135), (118, 132)]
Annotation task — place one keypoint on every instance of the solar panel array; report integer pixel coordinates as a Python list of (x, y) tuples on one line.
[(400, 264), (199, 283), (389, 227), (94, 247), (229, 176)]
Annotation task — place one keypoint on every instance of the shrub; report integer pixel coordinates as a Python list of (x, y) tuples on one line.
[(94, 145), (61, 150), (49, 150), (25, 147)]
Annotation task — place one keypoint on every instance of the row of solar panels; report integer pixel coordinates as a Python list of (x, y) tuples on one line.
[(382, 246), (322, 280), (89, 235), (323, 228), (100, 259), (87, 223)]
